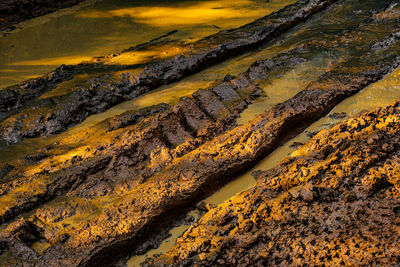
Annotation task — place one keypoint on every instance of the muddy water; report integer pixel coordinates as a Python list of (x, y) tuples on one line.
[(101, 27)]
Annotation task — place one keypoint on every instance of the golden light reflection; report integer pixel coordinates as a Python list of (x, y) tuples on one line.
[(279, 89), (168, 244), (53, 47), (55, 61), (198, 13), (65, 87), (143, 56)]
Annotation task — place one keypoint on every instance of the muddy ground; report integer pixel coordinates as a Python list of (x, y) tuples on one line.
[(105, 193)]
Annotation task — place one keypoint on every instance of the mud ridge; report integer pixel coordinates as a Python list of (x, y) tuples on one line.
[(193, 175)]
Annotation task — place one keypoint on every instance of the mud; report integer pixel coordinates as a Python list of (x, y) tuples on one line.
[(335, 201), (104, 91), (105, 193), (15, 11), (137, 144), (196, 173)]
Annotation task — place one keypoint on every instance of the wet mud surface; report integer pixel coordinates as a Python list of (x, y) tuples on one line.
[(102, 194), (54, 115)]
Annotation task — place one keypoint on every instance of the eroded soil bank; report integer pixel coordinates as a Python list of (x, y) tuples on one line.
[(99, 195)]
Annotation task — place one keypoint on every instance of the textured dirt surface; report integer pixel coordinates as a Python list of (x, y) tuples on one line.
[(337, 200), (15, 11), (102, 194)]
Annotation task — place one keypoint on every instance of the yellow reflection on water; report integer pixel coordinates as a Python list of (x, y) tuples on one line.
[(55, 61), (192, 14), (143, 56), (165, 246), (65, 87), (282, 88), (108, 27)]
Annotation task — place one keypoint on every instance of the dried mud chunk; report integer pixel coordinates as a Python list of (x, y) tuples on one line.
[(17, 237), (159, 158), (258, 70), (230, 97), (173, 132), (194, 117), (337, 115), (211, 104)]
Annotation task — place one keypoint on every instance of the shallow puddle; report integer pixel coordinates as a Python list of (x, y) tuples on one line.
[(280, 89), (100, 27), (166, 245)]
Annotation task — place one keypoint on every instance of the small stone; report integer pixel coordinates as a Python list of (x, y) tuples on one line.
[(307, 195), (305, 171), (296, 145), (308, 192), (370, 141), (385, 147)]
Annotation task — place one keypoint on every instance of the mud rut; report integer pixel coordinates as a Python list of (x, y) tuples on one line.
[(101, 195)]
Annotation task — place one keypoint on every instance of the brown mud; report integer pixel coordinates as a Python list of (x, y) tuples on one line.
[(105, 193)]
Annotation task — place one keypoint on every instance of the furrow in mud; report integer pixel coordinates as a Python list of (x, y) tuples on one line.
[(336, 201), (106, 91)]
